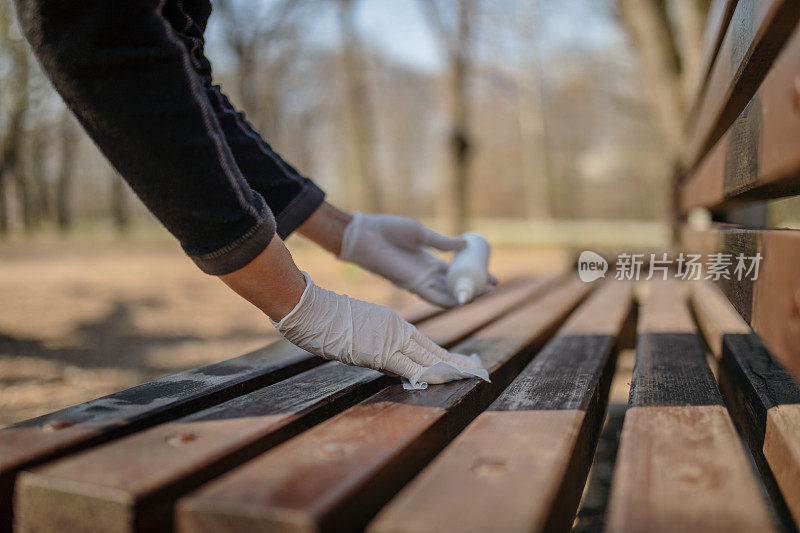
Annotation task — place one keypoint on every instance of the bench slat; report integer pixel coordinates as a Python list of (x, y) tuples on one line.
[(757, 31), (522, 464), (769, 303), (680, 465), (129, 484), (341, 471), (763, 397), (758, 156), (82, 426)]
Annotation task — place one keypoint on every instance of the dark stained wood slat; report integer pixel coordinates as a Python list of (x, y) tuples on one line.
[(757, 157), (82, 426), (130, 484), (770, 303), (680, 465), (763, 397), (522, 464), (757, 31), (79, 427), (341, 471)]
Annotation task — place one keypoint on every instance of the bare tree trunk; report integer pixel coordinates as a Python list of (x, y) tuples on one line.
[(458, 44), (362, 125), (690, 16), (648, 24), (120, 212), (17, 54), (535, 161), (69, 141), (38, 178), (460, 138)]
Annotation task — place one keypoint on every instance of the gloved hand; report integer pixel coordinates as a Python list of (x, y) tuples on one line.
[(395, 247), (360, 333)]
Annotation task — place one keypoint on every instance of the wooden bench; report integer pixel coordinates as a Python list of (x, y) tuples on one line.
[(743, 150), (280, 440), (339, 448)]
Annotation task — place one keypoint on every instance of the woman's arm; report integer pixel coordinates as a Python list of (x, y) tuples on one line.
[(326, 227), (272, 282)]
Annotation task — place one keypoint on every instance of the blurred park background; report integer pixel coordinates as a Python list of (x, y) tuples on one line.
[(550, 126)]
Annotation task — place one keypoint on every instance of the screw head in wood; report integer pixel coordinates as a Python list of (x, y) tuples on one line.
[(181, 439), (488, 466), (56, 425)]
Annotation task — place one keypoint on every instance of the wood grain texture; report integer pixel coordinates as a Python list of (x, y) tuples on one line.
[(682, 468), (771, 303), (130, 484), (79, 427), (715, 315), (680, 464), (757, 157), (459, 322), (757, 31), (144, 473), (336, 475), (762, 396), (521, 465), (782, 447)]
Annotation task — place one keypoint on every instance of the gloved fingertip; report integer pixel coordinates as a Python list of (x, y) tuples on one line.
[(441, 242)]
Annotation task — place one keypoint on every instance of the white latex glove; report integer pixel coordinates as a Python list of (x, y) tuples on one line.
[(395, 248), (360, 333)]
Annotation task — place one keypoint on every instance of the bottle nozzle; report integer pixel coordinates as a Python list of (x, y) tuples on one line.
[(464, 290), (462, 297)]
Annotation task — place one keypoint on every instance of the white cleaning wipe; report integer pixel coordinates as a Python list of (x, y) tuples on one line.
[(443, 372)]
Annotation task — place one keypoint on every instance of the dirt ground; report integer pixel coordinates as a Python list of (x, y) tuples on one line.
[(83, 318)]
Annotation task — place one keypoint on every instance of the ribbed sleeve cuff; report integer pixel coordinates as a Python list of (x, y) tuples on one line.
[(240, 252), (299, 209)]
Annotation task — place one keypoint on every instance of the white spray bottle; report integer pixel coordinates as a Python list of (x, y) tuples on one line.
[(468, 273)]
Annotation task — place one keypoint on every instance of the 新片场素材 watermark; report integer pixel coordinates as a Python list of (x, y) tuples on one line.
[(685, 266)]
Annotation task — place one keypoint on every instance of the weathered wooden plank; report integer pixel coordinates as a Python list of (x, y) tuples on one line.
[(762, 396), (757, 158), (130, 484), (75, 428), (337, 474), (455, 325), (770, 302), (756, 33), (719, 16), (522, 464), (680, 465)]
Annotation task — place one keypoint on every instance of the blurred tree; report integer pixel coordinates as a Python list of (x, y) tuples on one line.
[(690, 17), (454, 24), (35, 169), (15, 92), (263, 38), (363, 171), (648, 23), (66, 170), (535, 161), (669, 48)]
